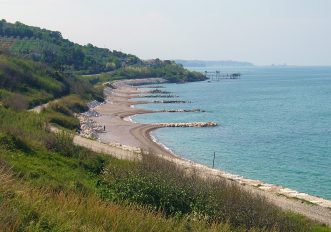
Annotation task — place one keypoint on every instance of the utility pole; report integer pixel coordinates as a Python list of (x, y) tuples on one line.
[(214, 159)]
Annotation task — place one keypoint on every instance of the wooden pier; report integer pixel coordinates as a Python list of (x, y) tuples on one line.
[(217, 75)]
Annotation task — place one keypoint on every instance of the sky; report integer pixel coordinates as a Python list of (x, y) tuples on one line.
[(296, 32)]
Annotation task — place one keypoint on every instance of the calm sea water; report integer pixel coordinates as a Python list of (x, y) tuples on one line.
[(275, 125)]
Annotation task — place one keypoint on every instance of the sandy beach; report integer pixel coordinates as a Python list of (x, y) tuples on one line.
[(114, 113)]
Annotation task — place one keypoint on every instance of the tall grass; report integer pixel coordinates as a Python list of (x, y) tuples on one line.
[(61, 112), (37, 82), (165, 187), (25, 208)]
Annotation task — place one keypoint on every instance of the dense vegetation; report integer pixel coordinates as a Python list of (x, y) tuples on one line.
[(25, 83), (51, 48), (157, 68), (37, 82)]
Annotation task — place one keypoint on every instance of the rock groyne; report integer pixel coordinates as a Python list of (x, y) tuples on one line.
[(170, 102), (180, 111), (154, 91), (152, 87), (135, 82), (188, 124), (157, 96)]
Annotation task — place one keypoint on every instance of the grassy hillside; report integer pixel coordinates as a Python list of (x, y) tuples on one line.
[(49, 184), (26, 83), (37, 82)]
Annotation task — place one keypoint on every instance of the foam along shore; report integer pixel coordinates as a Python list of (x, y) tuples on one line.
[(136, 137)]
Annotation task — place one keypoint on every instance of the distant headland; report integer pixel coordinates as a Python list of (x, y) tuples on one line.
[(205, 63)]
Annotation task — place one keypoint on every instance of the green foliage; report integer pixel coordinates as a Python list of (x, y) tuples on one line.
[(11, 143), (25, 83), (23, 126), (15, 101), (38, 83), (49, 47), (62, 120), (166, 69), (43, 157), (69, 105), (61, 111)]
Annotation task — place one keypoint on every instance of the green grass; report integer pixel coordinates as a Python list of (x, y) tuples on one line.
[(57, 186), (24, 208), (61, 112), (37, 82)]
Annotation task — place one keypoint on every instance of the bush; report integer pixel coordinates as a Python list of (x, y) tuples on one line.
[(23, 126), (16, 102), (10, 142), (63, 120)]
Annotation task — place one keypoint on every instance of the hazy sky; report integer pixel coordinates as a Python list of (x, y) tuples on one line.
[(260, 31)]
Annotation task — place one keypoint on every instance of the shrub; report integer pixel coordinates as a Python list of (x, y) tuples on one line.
[(64, 144), (68, 122), (16, 102)]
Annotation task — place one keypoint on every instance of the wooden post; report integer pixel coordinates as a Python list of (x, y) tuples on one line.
[(214, 159)]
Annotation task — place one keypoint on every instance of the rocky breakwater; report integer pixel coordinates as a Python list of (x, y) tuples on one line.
[(88, 127), (171, 102), (135, 82), (158, 91), (181, 111), (188, 124), (152, 87), (158, 96)]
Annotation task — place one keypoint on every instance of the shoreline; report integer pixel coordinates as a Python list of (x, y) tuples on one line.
[(157, 141), (118, 108)]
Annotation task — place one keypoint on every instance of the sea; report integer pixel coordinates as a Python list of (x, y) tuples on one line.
[(274, 124)]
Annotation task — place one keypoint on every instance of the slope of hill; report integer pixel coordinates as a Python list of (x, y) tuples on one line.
[(51, 48), (37, 82), (28, 83)]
